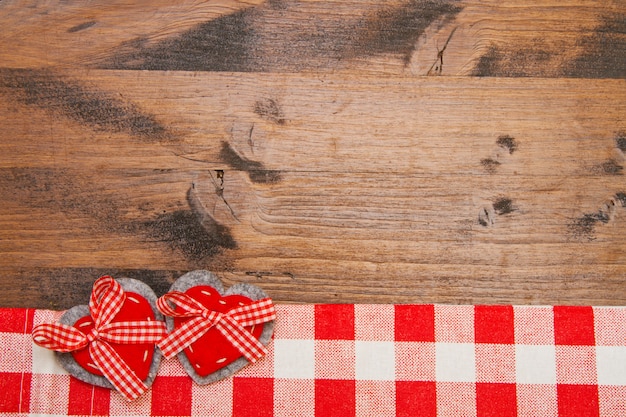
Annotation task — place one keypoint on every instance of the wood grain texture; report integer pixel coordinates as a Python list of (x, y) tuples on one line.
[(329, 151), (574, 38), (320, 189)]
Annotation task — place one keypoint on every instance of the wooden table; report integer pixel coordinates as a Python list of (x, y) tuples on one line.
[(424, 151)]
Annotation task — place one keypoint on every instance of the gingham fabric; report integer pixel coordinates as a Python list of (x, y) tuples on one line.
[(364, 360)]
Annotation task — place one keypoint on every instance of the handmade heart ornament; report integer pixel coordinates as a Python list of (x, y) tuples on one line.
[(215, 333), (112, 342)]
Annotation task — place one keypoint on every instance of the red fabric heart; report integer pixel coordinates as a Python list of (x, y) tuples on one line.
[(212, 351), (137, 356)]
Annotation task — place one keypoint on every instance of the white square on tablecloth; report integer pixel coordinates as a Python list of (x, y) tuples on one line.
[(375, 361), (294, 358), (535, 364), (455, 362), (611, 365), (45, 362)]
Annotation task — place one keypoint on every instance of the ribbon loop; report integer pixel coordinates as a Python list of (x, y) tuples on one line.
[(231, 324), (187, 306), (59, 337), (107, 299)]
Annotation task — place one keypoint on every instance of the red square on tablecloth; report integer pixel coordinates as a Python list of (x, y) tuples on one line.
[(494, 324), (415, 323), (15, 389), (496, 400), (335, 398), (574, 326), (16, 320), (416, 398), (171, 396), (253, 397), (334, 322), (87, 399), (578, 400)]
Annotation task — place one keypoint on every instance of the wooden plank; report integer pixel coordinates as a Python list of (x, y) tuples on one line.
[(39, 34), (574, 38), (305, 241), (289, 122), (321, 189), (447, 209)]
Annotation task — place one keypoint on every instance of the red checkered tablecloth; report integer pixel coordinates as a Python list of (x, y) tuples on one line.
[(364, 360)]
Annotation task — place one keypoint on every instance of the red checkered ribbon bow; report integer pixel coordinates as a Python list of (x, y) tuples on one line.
[(106, 301), (231, 324)]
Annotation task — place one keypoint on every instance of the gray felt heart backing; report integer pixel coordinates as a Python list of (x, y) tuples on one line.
[(202, 278), (75, 313)]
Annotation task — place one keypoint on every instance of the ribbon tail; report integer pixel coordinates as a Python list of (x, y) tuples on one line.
[(258, 312), (116, 371), (183, 336), (247, 344)]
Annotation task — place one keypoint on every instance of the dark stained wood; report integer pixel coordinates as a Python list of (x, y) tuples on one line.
[(573, 38)]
